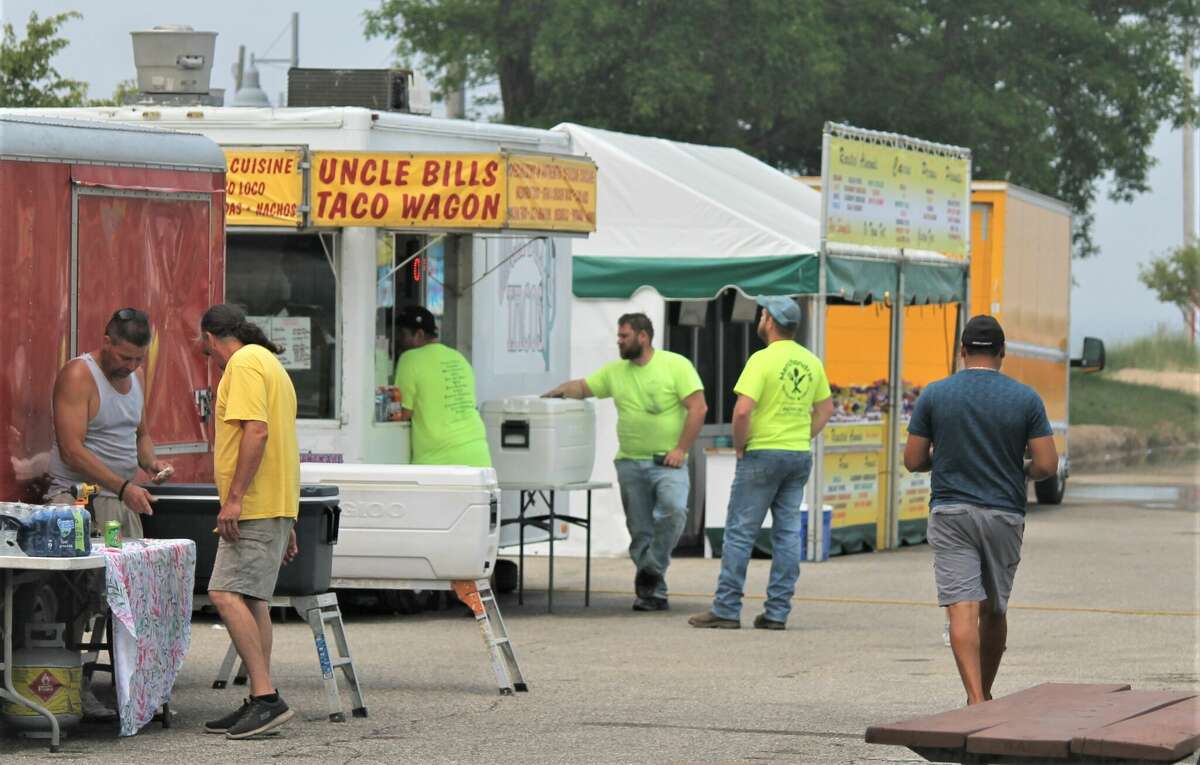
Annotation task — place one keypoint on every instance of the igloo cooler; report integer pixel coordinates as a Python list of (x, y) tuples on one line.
[(412, 522), (537, 440), (189, 511)]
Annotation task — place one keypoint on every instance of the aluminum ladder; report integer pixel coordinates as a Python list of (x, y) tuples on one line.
[(318, 611), (477, 595)]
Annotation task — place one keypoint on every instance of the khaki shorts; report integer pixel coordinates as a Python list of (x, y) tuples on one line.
[(106, 509), (250, 565)]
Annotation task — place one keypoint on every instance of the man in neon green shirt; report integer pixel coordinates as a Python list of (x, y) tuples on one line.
[(660, 410), (437, 393), (783, 403)]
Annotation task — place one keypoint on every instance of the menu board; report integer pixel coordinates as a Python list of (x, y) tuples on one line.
[(891, 196), (291, 333), (852, 487)]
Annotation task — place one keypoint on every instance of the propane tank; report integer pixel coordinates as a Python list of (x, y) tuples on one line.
[(47, 673)]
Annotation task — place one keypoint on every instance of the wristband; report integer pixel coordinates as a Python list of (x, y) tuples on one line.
[(121, 493)]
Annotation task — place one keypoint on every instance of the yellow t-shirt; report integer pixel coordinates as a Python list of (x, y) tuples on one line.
[(437, 385), (255, 386), (649, 399), (785, 379)]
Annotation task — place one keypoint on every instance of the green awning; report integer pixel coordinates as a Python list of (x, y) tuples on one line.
[(860, 279), (694, 278), (928, 283)]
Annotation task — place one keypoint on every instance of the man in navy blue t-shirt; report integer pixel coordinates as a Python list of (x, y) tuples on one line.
[(972, 429)]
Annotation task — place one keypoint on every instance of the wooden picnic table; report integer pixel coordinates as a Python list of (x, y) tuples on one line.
[(1056, 723)]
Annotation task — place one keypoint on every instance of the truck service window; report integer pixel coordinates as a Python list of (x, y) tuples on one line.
[(285, 285)]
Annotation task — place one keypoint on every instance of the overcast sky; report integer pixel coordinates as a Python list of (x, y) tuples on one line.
[(1108, 301)]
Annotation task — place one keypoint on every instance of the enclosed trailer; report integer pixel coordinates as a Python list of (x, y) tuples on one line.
[(95, 217)]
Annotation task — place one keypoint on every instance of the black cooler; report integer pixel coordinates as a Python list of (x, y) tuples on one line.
[(189, 511)]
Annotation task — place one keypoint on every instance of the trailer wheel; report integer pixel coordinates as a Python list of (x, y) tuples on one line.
[(1051, 490), (504, 576)]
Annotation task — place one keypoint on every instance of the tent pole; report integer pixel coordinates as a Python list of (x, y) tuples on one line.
[(895, 408)]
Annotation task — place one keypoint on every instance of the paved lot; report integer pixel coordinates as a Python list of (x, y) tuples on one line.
[(1107, 593)]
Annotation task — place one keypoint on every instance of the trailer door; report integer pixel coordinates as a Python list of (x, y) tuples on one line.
[(152, 250)]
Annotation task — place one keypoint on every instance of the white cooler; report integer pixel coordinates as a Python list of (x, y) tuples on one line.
[(412, 522), (537, 440)]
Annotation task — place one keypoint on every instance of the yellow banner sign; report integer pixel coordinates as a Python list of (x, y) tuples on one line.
[(551, 193), (854, 434), (263, 187), (452, 191), (852, 487), (897, 198)]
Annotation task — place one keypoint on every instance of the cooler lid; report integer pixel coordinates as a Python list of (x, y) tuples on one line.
[(536, 405), (181, 489), (457, 476)]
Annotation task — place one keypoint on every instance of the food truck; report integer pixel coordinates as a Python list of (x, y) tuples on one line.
[(96, 217)]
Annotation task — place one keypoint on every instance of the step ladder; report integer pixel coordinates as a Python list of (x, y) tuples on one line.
[(318, 611), (477, 595)]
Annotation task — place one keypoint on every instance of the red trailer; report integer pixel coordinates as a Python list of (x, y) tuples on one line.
[(95, 217)]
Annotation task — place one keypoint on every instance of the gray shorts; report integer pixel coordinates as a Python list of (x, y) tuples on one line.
[(975, 553), (250, 565), (106, 509)]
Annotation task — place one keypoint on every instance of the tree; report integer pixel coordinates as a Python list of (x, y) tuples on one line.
[(27, 77), (1175, 278), (123, 89), (1050, 95)]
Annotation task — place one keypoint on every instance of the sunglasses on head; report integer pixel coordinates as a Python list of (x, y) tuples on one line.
[(128, 314)]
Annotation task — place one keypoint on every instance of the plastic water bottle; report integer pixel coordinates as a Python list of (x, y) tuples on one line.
[(946, 634)]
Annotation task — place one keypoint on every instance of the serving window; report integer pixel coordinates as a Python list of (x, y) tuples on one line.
[(286, 284)]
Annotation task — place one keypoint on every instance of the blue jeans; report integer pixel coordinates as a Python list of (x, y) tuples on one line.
[(764, 479), (655, 502)]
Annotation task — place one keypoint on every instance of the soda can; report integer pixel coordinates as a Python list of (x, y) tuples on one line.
[(112, 534)]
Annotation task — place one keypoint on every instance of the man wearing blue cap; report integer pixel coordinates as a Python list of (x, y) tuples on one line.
[(783, 403)]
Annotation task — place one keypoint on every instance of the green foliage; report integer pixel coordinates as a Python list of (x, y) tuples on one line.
[(1158, 413), (1050, 95), (1170, 351), (1175, 278), (123, 89), (27, 77)]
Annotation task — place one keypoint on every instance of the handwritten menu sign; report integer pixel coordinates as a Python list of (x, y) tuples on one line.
[(291, 333), (896, 197)]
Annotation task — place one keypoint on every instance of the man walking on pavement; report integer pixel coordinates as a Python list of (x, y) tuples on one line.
[(972, 429), (783, 403), (257, 466), (660, 410)]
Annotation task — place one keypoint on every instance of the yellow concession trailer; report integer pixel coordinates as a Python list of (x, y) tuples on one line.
[(1020, 272)]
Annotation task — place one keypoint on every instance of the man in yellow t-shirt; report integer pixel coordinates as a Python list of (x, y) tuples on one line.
[(660, 410), (437, 393), (256, 460), (783, 403)]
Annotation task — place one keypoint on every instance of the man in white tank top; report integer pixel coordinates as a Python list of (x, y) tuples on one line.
[(100, 434)]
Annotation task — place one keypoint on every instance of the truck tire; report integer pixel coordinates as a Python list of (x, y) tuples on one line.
[(1051, 490), (504, 576)]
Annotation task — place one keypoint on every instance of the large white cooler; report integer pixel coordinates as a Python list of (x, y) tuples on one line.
[(412, 522), (537, 440)]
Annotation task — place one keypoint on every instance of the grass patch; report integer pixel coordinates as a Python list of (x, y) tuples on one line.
[(1162, 350), (1164, 416)]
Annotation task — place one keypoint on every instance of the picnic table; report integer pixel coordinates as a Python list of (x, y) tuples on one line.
[(1055, 723)]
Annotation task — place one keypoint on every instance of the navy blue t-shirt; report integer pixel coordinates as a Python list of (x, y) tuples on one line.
[(979, 421)]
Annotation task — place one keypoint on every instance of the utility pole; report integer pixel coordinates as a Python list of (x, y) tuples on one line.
[(239, 69), (293, 60), (1189, 156)]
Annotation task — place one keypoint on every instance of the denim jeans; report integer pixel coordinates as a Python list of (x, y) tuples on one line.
[(655, 502), (764, 479)]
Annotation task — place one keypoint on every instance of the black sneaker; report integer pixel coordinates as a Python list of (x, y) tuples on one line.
[(651, 604), (260, 717), (222, 724), (645, 583)]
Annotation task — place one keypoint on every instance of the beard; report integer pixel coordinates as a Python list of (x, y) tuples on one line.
[(632, 351)]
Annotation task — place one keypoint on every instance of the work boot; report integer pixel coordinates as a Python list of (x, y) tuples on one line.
[(651, 604), (709, 620), (645, 583), (761, 622)]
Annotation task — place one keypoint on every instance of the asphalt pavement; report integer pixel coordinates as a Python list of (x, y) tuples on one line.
[(1107, 592)]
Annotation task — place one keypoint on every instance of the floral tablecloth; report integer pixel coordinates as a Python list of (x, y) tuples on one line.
[(149, 591)]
